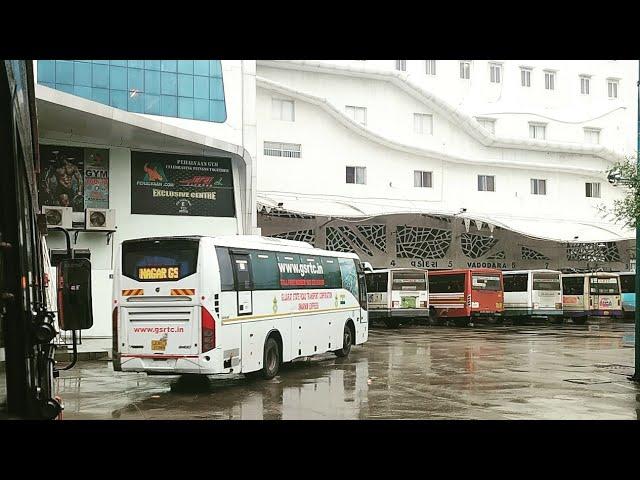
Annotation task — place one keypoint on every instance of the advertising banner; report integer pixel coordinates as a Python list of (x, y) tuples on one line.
[(62, 179), (182, 185), (96, 178)]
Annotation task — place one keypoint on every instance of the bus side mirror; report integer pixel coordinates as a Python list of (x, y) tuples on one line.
[(75, 311)]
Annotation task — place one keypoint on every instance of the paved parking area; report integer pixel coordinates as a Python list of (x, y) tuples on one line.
[(484, 372)]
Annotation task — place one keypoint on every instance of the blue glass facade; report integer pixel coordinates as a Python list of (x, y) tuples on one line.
[(190, 89)]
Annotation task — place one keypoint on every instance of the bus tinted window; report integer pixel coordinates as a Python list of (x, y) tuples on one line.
[(408, 280), (348, 270), (446, 283), (300, 271), (546, 281), (331, 267), (159, 260), (264, 267), (516, 283), (226, 272), (604, 286), (628, 283), (573, 285), (485, 282), (377, 282)]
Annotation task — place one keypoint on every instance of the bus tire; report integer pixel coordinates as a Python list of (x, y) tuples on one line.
[(271, 359), (461, 322), (557, 320), (392, 322), (347, 341), (579, 320)]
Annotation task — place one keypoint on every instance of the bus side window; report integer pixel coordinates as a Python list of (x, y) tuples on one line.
[(288, 264), (264, 268), (332, 278), (226, 271)]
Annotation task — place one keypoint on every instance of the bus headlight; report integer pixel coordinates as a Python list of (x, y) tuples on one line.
[(536, 306), (558, 306)]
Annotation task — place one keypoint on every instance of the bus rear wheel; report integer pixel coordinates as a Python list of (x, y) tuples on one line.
[(347, 341), (392, 322), (579, 320), (271, 359), (461, 322)]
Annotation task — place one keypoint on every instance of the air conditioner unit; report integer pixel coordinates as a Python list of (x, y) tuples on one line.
[(58, 216), (100, 219)]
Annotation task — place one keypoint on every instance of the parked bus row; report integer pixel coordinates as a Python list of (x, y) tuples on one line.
[(404, 294), (245, 304)]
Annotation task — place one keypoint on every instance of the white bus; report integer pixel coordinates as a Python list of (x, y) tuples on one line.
[(533, 294), (595, 294), (396, 295), (232, 304)]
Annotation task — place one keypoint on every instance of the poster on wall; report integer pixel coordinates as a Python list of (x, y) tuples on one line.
[(182, 185), (96, 178), (62, 177)]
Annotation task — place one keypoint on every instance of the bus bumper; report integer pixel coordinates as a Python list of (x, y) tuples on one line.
[(398, 313), (174, 364)]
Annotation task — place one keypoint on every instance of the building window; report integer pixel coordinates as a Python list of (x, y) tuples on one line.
[(189, 89), (495, 71), (465, 70), (357, 175), (283, 110), (486, 183), (538, 186), (585, 81), (612, 87), (422, 179), (538, 131), (592, 189), (423, 123), (278, 149), (549, 80), (525, 77), (401, 65), (592, 135), (431, 67), (487, 123), (359, 114)]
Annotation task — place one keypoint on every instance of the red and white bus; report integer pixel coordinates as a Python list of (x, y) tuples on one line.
[(466, 294), (242, 303)]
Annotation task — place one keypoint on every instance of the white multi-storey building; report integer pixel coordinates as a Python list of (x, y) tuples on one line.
[(447, 162)]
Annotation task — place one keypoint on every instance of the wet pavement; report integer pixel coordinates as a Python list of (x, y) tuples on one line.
[(483, 372)]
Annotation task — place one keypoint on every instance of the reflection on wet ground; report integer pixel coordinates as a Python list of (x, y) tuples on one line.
[(509, 372)]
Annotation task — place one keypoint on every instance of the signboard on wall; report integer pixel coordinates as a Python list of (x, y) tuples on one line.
[(182, 185), (96, 178), (74, 177)]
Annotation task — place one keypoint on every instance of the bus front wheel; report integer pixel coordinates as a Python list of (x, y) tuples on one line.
[(347, 341), (271, 359)]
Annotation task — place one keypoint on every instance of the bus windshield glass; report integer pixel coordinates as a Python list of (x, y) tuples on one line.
[(485, 282), (604, 286), (408, 280), (159, 260), (546, 281)]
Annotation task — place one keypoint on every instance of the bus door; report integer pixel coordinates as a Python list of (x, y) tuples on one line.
[(244, 285)]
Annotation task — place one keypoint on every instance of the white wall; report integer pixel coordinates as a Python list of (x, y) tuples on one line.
[(133, 226), (328, 147)]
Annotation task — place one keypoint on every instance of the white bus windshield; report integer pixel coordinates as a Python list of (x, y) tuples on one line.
[(159, 260), (409, 281), (604, 286), (546, 281)]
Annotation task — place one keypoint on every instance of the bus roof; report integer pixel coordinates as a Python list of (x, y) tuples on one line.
[(603, 274), (256, 242), (533, 270), (464, 270), (396, 269)]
